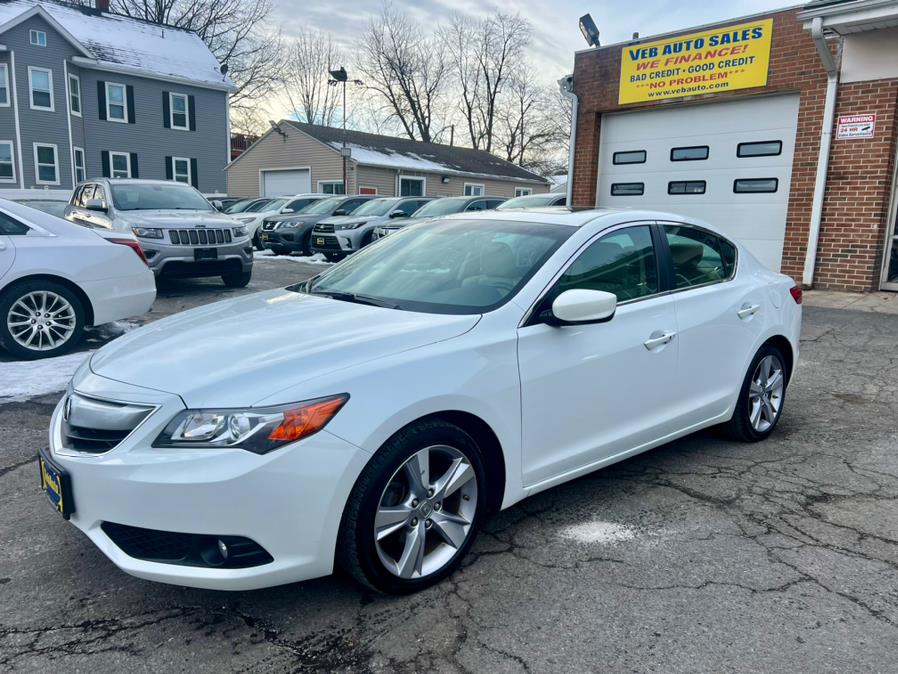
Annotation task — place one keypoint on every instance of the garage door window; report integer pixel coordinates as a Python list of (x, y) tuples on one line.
[(686, 187), (755, 185), (699, 257), (695, 153), (627, 189), (629, 157), (766, 148)]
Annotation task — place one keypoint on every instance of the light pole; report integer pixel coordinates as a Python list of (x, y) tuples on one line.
[(341, 77)]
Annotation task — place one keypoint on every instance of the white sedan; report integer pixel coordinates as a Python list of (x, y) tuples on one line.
[(56, 278), (373, 416)]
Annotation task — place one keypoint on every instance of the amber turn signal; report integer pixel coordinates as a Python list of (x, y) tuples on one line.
[(308, 418)]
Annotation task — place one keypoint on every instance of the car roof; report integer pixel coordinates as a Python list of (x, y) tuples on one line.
[(562, 215)]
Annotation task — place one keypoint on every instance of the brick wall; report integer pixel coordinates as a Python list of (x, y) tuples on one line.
[(794, 67)]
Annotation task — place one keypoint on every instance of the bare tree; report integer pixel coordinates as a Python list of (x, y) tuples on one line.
[(528, 131), (236, 31), (408, 70), (485, 54), (310, 57)]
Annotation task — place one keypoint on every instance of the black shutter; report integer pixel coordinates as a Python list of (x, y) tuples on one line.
[(169, 171), (166, 110), (101, 99), (194, 178), (130, 92), (134, 172), (190, 112), (104, 160)]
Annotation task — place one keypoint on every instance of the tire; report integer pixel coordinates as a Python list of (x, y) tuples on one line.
[(238, 279), (21, 302), (257, 242), (333, 257), (376, 562), (753, 420), (368, 238), (306, 249)]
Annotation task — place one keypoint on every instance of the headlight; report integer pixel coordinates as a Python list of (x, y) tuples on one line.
[(355, 225), (259, 430), (289, 224), (240, 231), (147, 232)]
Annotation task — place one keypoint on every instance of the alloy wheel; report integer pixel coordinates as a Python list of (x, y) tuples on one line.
[(425, 512), (41, 320), (765, 394)]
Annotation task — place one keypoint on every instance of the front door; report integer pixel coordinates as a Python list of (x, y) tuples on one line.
[(592, 392)]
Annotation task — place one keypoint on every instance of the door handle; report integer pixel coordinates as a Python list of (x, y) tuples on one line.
[(2, 246), (748, 310), (658, 338)]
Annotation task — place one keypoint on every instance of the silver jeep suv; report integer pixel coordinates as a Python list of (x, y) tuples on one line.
[(181, 233)]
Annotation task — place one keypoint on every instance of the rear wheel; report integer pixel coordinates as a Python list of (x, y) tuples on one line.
[(415, 511), (237, 279), (40, 319), (761, 398)]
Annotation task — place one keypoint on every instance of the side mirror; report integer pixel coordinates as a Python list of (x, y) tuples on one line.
[(340, 211), (216, 204), (288, 210), (398, 214), (95, 205), (581, 306)]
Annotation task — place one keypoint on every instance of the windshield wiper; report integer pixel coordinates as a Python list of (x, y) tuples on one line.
[(356, 298)]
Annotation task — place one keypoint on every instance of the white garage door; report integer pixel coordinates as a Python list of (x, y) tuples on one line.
[(285, 182), (726, 163)]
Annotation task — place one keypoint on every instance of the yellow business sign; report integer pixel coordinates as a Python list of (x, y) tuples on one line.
[(723, 59)]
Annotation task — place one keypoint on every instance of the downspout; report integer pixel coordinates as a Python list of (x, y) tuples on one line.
[(826, 136), (566, 85)]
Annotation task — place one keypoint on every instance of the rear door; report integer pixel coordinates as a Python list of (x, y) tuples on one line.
[(9, 230)]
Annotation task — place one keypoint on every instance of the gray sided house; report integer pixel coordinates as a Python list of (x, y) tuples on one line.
[(295, 157), (85, 93)]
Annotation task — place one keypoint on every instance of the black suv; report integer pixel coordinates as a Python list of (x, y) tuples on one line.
[(283, 234)]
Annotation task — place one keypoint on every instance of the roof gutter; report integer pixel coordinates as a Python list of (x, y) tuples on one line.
[(826, 135), (566, 85)]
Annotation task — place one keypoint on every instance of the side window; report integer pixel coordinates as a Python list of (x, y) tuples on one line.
[(100, 194), (11, 227), (622, 262), (493, 203), (87, 193), (351, 204), (698, 257), (476, 206), (409, 207)]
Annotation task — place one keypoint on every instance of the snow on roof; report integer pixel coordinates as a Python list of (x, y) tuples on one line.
[(115, 40)]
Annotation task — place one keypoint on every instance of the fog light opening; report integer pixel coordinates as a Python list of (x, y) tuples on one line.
[(213, 551), (222, 549)]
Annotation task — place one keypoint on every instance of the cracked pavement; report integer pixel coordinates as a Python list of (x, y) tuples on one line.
[(702, 556)]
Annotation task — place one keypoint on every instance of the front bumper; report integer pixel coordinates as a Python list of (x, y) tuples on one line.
[(289, 239), (343, 241), (180, 261), (289, 501)]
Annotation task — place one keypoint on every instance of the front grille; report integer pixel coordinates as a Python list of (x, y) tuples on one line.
[(96, 426), (330, 242), (169, 547), (325, 227), (199, 237)]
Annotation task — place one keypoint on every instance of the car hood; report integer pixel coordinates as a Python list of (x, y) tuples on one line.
[(177, 219), (238, 352), (340, 219)]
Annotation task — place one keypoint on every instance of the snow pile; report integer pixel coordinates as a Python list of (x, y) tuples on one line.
[(32, 378), (598, 531), (317, 258), (410, 160)]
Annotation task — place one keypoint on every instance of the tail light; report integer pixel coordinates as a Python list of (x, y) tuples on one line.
[(796, 293), (133, 245)]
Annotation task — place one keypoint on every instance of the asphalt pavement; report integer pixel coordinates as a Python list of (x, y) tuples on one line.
[(701, 556)]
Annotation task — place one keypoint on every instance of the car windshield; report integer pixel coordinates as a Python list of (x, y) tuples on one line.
[(152, 196), (440, 207), (448, 267), (239, 206), (50, 206), (375, 207), (528, 202), (323, 206)]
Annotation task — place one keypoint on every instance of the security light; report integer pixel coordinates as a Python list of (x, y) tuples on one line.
[(589, 30), (340, 75)]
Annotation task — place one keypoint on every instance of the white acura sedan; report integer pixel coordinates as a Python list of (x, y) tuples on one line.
[(373, 416), (56, 278)]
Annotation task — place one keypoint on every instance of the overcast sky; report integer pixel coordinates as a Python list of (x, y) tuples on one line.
[(556, 32)]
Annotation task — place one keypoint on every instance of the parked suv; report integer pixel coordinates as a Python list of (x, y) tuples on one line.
[(253, 219), (346, 234), (291, 233), (180, 232), (439, 208)]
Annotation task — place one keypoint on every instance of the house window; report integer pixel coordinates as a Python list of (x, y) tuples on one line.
[(179, 111), (764, 148), (7, 167), (40, 81), (627, 189), (78, 162), (411, 187), (75, 95), (119, 165), (46, 166), (523, 191), (38, 38), (755, 185), (629, 157), (695, 153), (473, 190), (331, 187), (686, 187), (116, 102), (181, 170), (4, 85)]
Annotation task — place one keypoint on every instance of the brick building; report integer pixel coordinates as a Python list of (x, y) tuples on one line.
[(779, 128)]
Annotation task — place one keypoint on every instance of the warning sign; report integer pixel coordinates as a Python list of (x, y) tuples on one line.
[(856, 126)]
